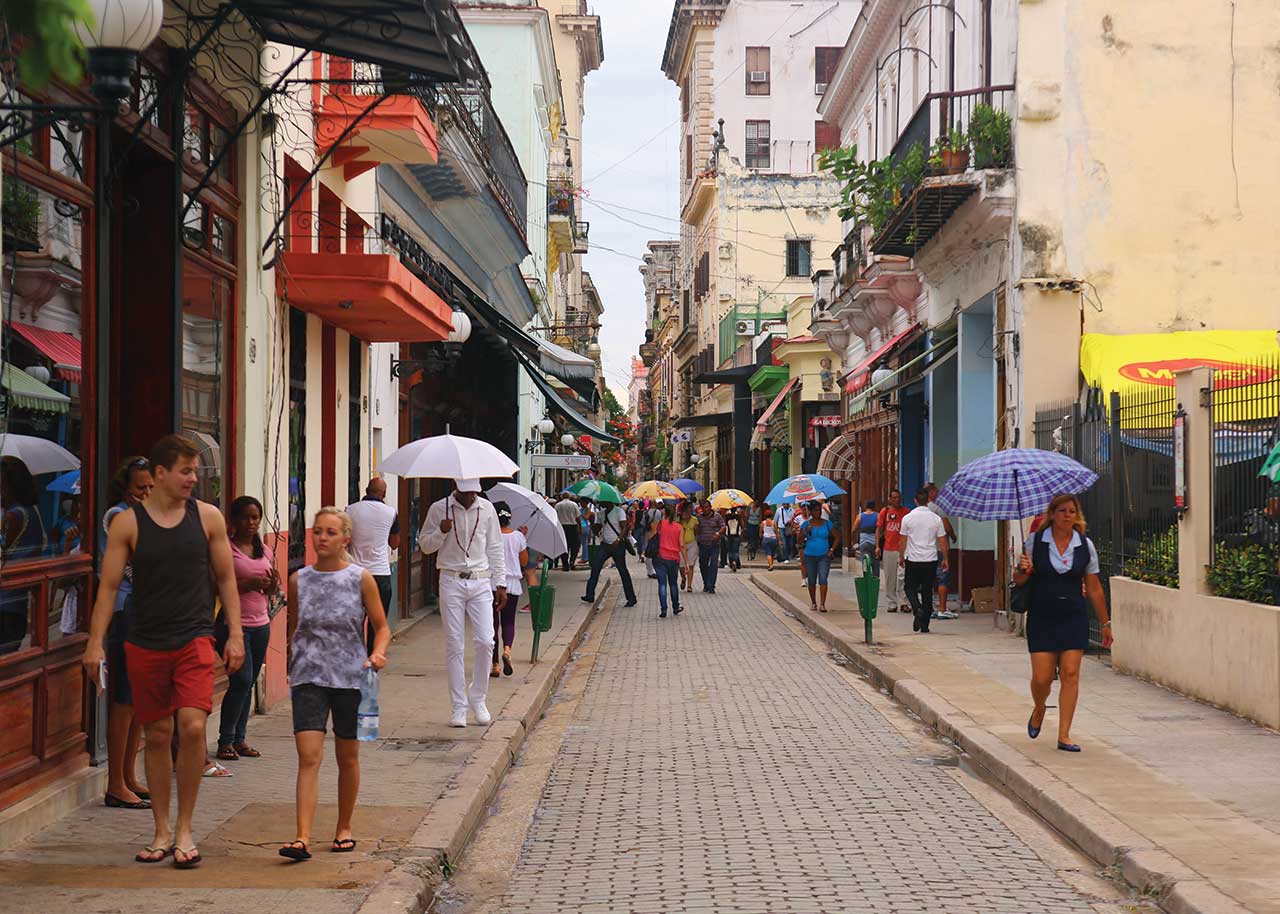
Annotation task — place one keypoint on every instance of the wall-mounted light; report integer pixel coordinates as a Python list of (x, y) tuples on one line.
[(568, 440)]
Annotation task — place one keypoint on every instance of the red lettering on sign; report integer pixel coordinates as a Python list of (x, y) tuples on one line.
[(1227, 374)]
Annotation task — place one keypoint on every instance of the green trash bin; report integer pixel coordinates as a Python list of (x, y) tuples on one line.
[(542, 600), (867, 588)]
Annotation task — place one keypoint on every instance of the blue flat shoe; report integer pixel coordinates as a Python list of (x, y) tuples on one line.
[(1068, 747), (1033, 732)]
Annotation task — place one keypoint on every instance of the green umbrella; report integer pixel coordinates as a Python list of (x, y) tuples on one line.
[(1271, 466), (596, 490)]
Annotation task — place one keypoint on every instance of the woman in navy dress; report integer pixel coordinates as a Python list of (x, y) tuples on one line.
[(1062, 566)]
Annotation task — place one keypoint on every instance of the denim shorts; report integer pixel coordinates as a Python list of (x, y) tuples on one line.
[(944, 576), (817, 568), (770, 548)]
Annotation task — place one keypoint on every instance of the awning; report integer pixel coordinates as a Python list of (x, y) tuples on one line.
[(704, 421), (939, 354), (25, 392), (425, 37), (763, 422), (563, 363), (856, 378), (839, 459), (62, 349), (737, 375), (554, 360), (559, 404)]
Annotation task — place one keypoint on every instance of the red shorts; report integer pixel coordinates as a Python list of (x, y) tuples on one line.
[(164, 681)]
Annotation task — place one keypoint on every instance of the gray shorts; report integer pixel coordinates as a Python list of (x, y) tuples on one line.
[(312, 705)]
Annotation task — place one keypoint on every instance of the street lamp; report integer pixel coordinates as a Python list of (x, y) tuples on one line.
[(460, 333), (546, 426), (567, 440), (121, 28)]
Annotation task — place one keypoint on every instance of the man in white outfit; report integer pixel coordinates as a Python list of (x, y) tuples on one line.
[(464, 530)]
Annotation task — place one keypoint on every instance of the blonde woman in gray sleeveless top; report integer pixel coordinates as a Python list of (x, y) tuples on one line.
[(328, 604)]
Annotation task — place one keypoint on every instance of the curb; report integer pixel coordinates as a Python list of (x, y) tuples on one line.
[(1100, 834), (409, 888)]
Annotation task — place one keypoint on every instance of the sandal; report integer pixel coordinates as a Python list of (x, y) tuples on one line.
[(214, 770), (193, 858), (115, 802), (227, 752), (147, 854), (295, 850), (247, 751), (343, 845)]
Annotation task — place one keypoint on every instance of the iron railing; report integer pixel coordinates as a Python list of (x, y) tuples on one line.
[(987, 139), (1245, 402)]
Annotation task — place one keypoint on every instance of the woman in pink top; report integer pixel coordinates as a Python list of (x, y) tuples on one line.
[(257, 579), (670, 547)]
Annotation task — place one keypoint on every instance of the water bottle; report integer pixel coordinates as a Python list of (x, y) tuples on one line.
[(367, 716)]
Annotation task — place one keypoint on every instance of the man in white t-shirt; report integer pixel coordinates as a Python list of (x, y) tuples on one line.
[(923, 538), (610, 529), (569, 515), (375, 528)]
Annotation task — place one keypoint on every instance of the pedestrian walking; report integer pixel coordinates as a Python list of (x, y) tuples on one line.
[(798, 520), (724, 540), (670, 536), (463, 531), (820, 541), (689, 525), (785, 518), (754, 516), (375, 530), (733, 536), (944, 571), (1061, 566), (868, 520), (710, 532), (257, 581), (177, 547), (130, 486), (569, 515), (609, 528), (329, 604), (586, 517), (515, 557), (654, 514), (769, 537), (889, 552), (922, 537)]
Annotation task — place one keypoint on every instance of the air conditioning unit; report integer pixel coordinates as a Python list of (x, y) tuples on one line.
[(746, 328), (819, 88), (758, 76)]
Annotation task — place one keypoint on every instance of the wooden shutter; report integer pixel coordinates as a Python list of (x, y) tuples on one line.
[(824, 66), (758, 63), (825, 136)]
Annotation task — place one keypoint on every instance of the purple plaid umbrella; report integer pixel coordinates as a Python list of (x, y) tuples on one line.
[(1008, 484)]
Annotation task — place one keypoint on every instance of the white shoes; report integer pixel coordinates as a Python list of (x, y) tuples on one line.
[(483, 717), (459, 718)]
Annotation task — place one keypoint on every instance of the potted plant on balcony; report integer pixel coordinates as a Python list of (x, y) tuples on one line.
[(950, 153), (991, 134), (21, 217)]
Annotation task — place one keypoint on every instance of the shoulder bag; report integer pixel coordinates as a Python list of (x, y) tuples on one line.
[(651, 547)]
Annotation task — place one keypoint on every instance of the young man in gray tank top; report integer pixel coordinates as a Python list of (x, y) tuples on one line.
[(177, 546)]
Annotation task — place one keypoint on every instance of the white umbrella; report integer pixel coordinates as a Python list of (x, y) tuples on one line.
[(529, 509), (449, 457), (39, 454)]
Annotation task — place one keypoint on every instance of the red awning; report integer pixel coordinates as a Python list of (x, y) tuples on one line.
[(62, 349), (762, 424), (856, 378)]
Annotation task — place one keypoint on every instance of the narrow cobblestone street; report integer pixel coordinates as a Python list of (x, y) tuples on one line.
[(716, 762)]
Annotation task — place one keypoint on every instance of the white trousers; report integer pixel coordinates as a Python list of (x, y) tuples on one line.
[(891, 589), (459, 601)]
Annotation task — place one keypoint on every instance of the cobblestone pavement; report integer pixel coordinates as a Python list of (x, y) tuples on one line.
[(717, 763)]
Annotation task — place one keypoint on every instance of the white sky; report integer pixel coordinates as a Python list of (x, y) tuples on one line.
[(629, 102)]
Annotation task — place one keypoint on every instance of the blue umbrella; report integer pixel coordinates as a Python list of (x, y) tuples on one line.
[(1011, 484), (687, 486), (785, 492), (68, 482)]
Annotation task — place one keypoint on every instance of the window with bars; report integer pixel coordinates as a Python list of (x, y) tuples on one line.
[(824, 67), (798, 257), (758, 75), (757, 146), (702, 276)]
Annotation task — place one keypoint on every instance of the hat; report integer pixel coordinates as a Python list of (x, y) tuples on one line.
[(468, 485)]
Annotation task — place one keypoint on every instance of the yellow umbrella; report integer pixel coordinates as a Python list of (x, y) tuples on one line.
[(730, 498), (652, 488)]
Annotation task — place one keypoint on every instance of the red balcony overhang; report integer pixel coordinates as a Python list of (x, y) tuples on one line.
[(371, 296), (395, 129)]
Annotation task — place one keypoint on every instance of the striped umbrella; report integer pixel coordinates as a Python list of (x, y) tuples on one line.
[(1271, 466), (652, 488), (730, 498), (596, 490)]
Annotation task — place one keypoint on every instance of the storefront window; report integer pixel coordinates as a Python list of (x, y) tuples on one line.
[(206, 308), (40, 374)]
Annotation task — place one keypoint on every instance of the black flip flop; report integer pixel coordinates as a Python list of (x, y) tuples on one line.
[(343, 845), (295, 853), (162, 851), (115, 802), (193, 858)]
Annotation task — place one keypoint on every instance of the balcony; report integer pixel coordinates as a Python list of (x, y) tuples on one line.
[(372, 122), (580, 232), (369, 283), (561, 212), (957, 146)]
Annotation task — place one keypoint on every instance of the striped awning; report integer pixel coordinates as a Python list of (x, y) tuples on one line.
[(25, 392), (839, 459), (62, 349)]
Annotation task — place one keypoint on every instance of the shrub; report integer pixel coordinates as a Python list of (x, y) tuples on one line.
[(1157, 559), (1243, 573)]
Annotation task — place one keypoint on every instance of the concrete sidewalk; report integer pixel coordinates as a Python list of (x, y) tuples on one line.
[(416, 776), (1184, 797)]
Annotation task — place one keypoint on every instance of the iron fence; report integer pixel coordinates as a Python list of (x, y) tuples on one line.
[(1244, 402)]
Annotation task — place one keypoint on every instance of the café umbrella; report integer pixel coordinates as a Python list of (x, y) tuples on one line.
[(687, 486), (652, 488), (730, 498)]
